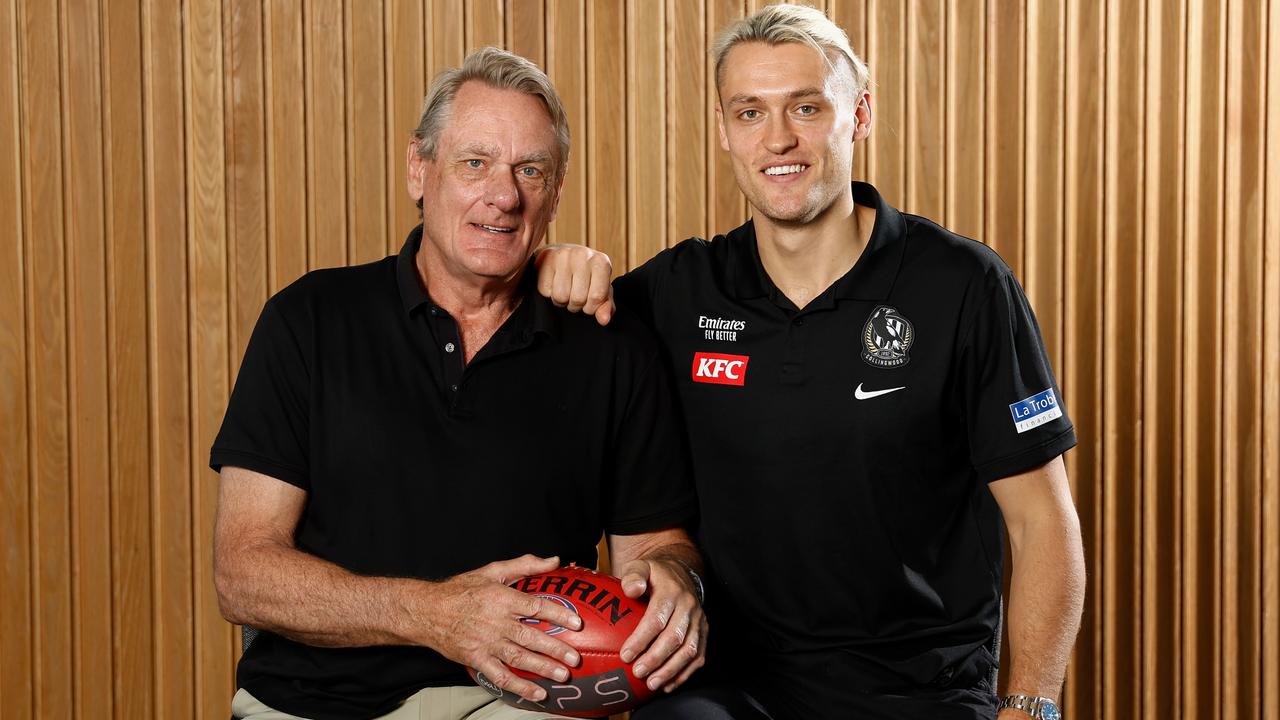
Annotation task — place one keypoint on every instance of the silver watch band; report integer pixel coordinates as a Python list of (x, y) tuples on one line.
[(1029, 704)]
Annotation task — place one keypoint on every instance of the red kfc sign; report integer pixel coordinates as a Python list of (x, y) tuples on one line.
[(720, 369)]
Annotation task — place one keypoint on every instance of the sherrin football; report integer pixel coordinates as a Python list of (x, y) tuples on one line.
[(602, 684)]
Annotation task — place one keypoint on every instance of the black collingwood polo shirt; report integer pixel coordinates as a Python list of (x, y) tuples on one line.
[(353, 389), (842, 451)]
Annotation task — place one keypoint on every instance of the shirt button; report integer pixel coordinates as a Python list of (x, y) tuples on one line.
[(453, 388), (448, 347), (799, 322), (435, 311)]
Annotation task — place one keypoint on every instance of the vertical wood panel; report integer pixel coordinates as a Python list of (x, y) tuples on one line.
[(16, 619), (925, 132), (1122, 373), (210, 327), (132, 615), (406, 86), (963, 168), (646, 136), (43, 211), (1006, 130), (686, 122), (1202, 376), (851, 16), (525, 29), (286, 144), (1242, 318), (726, 206), (366, 144), (445, 35), (887, 55), (1082, 367), (1162, 397), (1270, 660), (168, 344), (604, 159), (566, 65), (326, 139), (1042, 268), (486, 25), (90, 582), (246, 171)]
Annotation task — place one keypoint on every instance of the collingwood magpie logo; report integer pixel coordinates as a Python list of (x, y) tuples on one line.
[(886, 338)]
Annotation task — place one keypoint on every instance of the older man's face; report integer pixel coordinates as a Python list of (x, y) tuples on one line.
[(491, 190)]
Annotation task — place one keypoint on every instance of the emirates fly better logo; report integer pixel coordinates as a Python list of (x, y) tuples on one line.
[(720, 369)]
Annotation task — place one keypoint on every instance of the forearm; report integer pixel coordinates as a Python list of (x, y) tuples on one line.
[(1046, 598), (675, 547), (310, 600)]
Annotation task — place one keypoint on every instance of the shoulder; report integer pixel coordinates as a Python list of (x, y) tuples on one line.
[(341, 290), (942, 254)]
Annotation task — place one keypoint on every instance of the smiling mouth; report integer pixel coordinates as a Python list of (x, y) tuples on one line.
[(786, 169), (494, 228)]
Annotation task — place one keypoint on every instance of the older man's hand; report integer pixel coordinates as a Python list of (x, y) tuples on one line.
[(475, 620), (577, 278), (670, 640)]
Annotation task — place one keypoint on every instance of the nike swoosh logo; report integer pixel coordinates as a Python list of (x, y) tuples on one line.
[(861, 394)]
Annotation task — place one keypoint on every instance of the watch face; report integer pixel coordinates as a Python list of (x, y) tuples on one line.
[(1049, 711)]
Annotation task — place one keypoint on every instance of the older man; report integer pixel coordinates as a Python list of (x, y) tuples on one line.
[(389, 458), (868, 398)]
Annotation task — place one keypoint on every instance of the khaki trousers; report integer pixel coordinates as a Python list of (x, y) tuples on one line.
[(444, 703)]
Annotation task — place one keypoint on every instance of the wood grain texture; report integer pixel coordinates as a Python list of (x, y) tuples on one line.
[(44, 203), (686, 122), (209, 321), (406, 88), (132, 612), (168, 349), (286, 143), (1082, 371), (167, 166), (1162, 407), (17, 629), (367, 145), (85, 222), (604, 158), (567, 68)]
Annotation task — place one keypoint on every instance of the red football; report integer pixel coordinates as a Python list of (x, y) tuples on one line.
[(602, 684)]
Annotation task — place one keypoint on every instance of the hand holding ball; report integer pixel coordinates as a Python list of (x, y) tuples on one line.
[(602, 684)]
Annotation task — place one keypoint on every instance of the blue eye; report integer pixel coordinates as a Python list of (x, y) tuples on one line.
[(806, 109), (750, 114), (529, 171), (475, 164)]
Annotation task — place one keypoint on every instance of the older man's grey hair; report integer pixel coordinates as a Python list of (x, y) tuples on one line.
[(777, 24), (497, 69)]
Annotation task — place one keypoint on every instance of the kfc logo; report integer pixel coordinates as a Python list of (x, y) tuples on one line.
[(719, 369)]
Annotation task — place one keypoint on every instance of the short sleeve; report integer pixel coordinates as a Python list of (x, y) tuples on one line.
[(265, 427), (1015, 414), (653, 477), (637, 291)]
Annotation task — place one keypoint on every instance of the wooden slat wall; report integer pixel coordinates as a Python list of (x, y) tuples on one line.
[(166, 167)]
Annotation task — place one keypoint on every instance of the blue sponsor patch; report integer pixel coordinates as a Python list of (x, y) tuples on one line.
[(1035, 410)]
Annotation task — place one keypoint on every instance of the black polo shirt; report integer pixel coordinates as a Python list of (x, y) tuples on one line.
[(842, 452), (353, 389)]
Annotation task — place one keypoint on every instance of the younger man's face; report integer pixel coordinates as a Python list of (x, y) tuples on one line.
[(789, 122)]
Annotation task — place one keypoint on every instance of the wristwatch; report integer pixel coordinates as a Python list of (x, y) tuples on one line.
[(1036, 707), (701, 591)]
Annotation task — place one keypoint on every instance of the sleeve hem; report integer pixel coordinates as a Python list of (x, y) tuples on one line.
[(1027, 459), (220, 457), (670, 517)]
